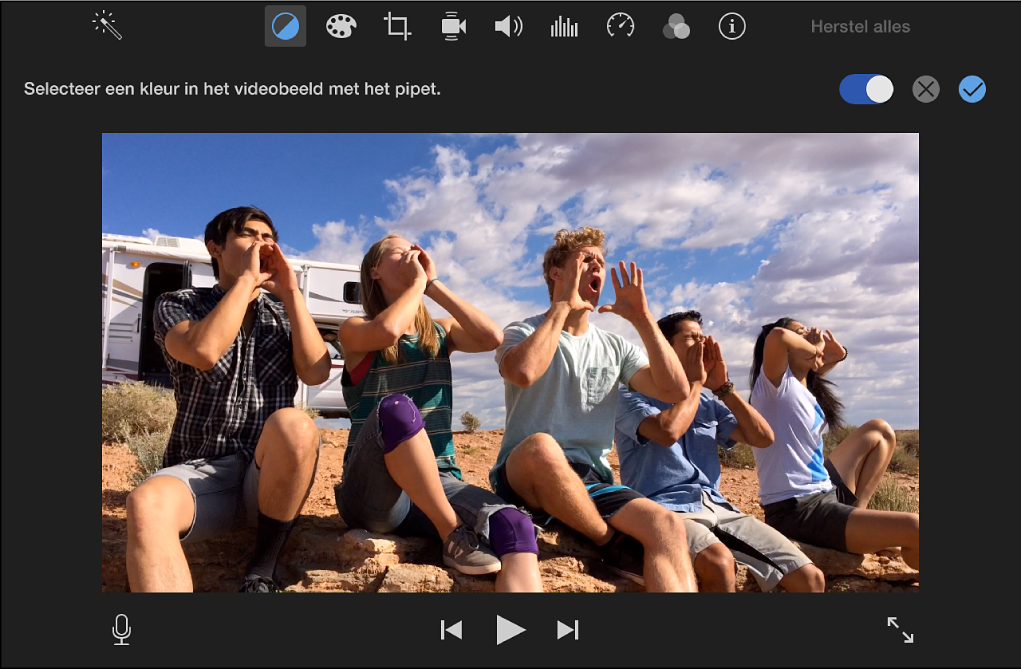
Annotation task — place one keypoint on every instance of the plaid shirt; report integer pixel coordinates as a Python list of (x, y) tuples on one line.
[(223, 410)]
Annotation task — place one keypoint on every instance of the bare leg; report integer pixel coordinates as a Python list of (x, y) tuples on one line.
[(520, 573), (412, 464), (286, 456), (806, 579), (716, 569), (862, 458), (539, 473), (667, 560), (159, 510), (869, 531)]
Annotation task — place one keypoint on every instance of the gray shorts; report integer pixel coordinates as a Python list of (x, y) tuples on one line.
[(818, 518), (225, 491), (369, 498), (769, 555)]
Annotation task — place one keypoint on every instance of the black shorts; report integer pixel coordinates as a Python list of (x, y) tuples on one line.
[(820, 518), (609, 498)]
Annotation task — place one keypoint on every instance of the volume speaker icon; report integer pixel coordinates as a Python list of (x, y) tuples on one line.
[(504, 26)]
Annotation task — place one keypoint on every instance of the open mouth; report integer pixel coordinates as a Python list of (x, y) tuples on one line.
[(595, 284)]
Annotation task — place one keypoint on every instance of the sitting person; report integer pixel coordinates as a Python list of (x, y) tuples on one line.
[(400, 472), (669, 453), (560, 384), (239, 452), (807, 498)]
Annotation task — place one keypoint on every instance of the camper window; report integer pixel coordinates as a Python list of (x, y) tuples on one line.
[(352, 293)]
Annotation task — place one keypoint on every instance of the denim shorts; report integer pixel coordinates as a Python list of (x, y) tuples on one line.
[(224, 490), (369, 498)]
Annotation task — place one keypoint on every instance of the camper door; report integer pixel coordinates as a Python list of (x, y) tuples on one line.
[(123, 313)]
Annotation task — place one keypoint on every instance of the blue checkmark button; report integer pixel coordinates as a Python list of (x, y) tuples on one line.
[(972, 88)]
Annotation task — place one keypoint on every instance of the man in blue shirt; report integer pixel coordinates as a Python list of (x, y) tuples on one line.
[(669, 453)]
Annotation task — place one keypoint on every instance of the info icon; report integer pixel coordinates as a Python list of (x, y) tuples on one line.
[(285, 26), (732, 26)]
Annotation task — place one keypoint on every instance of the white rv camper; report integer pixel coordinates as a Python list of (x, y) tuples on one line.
[(136, 270)]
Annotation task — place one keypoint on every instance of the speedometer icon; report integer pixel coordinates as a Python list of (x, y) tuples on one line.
[(620, 25)]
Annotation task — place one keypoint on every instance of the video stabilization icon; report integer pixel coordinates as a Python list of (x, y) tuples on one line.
[(452, 26)]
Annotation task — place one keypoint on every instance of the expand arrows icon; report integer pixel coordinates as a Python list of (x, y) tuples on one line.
[(909, 638)]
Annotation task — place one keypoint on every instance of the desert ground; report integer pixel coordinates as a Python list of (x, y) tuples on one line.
[(324, 555)]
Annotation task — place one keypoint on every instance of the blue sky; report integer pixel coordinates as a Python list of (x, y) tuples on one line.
[(181, 181), (745, 228)]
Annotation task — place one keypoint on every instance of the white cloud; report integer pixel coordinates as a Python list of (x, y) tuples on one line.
[(151, 233), (337, 242), (836, 217)]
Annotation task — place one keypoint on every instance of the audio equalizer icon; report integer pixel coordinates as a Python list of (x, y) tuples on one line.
[(563, 28)]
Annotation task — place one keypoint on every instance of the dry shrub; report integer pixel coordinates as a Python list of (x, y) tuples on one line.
[(312, 412), (148, 447), (903, 461), (891, 495), (908, 439), (470, 422), (741, 456), (134, 407)]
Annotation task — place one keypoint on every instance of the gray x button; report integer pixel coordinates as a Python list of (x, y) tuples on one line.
[(925, 88)]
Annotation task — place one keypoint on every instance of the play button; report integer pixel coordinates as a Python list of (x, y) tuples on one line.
[(505, 630)]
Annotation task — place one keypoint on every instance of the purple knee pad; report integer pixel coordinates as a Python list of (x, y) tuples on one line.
[(399, 419), (511, 531)]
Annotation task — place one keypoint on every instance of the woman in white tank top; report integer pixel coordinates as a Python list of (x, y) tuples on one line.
[(821, 501)]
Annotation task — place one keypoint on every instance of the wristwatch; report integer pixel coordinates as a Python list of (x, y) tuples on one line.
[(724, 390)]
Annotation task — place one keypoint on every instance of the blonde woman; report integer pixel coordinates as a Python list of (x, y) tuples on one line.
[(400, 473)]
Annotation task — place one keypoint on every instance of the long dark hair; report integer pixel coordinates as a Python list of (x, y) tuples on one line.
[(823, 389)]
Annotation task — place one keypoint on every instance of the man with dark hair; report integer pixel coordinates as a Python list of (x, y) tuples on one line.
[(234, 220), (669, 453), (239, 451)]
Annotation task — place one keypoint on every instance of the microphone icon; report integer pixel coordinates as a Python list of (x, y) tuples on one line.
[(117, 627)]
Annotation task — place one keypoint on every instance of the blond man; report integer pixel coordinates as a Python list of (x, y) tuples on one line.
[(560, 384)]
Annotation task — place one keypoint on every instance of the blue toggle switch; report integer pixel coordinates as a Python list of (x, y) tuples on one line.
[(866, 89)]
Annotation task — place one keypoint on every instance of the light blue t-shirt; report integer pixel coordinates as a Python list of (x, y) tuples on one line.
[(674, 476), (575, 400), (793, 466)]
